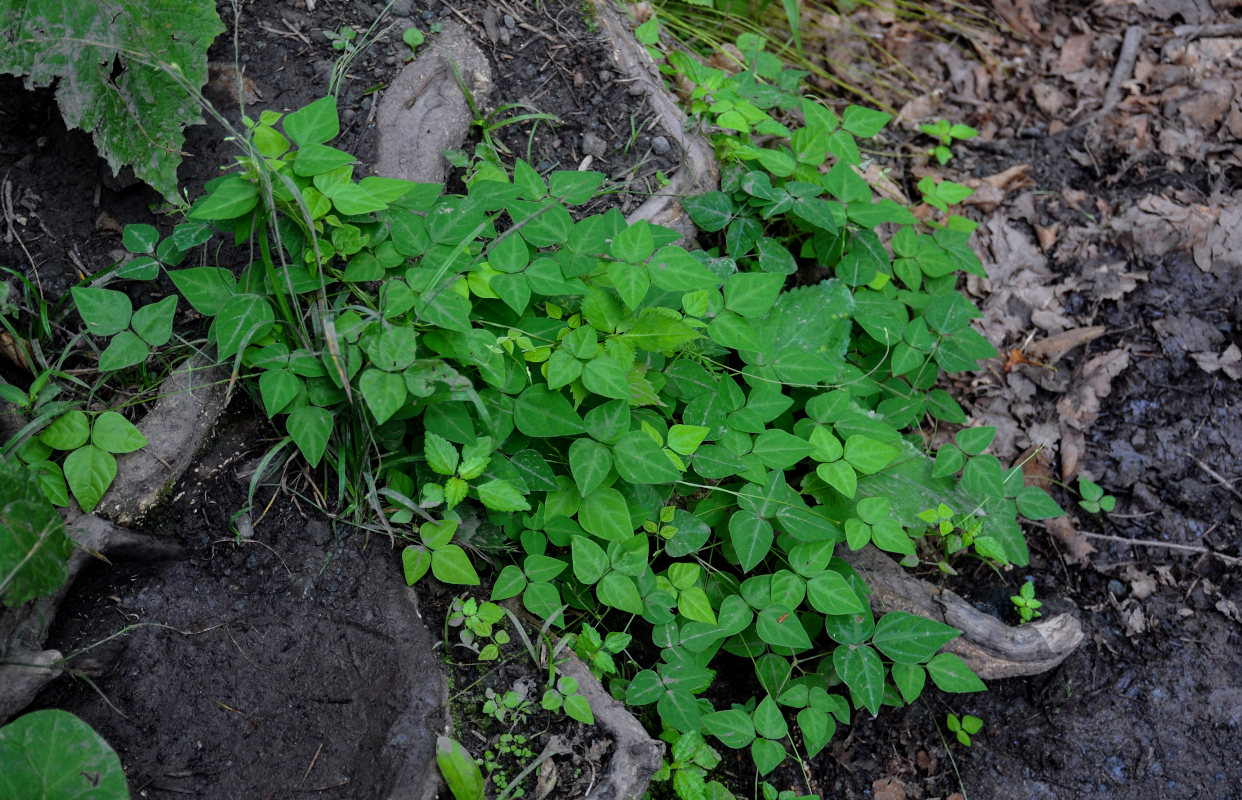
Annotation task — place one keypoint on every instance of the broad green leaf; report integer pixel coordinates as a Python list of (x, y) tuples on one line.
[(685, 439), (394, 349), (860, 667), (68, 432), (751, 537), (542, 413), (675, 270), (154, 322), (974, 441), (575, 188), (314, 123), (54, 755), (769, 721), (33, 547), (693, 604), (457, 767), (949, 313), (604, 376), (1034, 503), (604, 513), (231, 198), (634, 243), (589, 463), (89, 471), (315, 159), (310, 427), (752, 294), (631, 282), (544, 601), (817, 729), (733, 728), (840, 476), (242, 319), (278, 388), (509, 583), (984, 476), (640, 461), (590, 562), (539, 568), (384, 392), (106, 312), (779, 449), (140, 238), (864, 122), (125, 350), (829, 593), (950, 673), (562, 369), (680, 710), (910, 639), (114, 433), (867, 455), (51, 480), (450, 564), (415, 562), (779, 626), (619, 591), (502, 496), (207, 289), (909, 680), (710, 211), (767, 755)]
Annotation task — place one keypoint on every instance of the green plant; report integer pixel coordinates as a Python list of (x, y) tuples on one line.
[(459, 770), (511, 751), (33, 543), (126, 72), (945, 132), (1025, 603), (477, 621), (1093, 498), (564, 695), (674, 443), (511, 705), (690, 760), (343, 39), (53, 755), (597, 653), (963, 727), (414, 38)]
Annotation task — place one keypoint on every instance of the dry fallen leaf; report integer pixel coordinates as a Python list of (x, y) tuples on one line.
[(1077, 550), (1081, 405), (888, 789), (1050, 349), (1229, 362)]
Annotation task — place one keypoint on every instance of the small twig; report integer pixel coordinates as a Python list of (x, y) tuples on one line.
[(1192, 32), (318, 750), (1124, 69), (1219, 479), (1231, 560)]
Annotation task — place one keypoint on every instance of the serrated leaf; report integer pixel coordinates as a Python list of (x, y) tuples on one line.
[(441, 454), (502, 496)]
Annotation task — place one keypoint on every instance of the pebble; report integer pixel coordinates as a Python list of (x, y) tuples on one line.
[(427, 16), (604, 76), (1117, 588), (592, 145), (635, 89), (660, 145), (401, 8), (596, 99), (509, 21)]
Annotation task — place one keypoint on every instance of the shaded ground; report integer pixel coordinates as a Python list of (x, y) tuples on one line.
[(1124, 221)]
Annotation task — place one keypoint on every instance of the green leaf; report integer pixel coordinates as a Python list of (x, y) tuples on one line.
[(384, 392), (310, 427), (733, 728), (114, 433), (674, 270), (631, 282), (860, 667), (634, 243), (278, 387), (1034, 503), (590, 562), (779, 626), (685, 439), (910, 639), (619, 591), (710, 211), (33, 544), (868, 455), (693, 604), (542, 413), (68, 432), (751, 537), (864, 122), (780, 450), (316, 159), (767, 755), (243, 319), (589, 463), (89, 470), (544, 601), (577, 707), (607, 378), (752, 294), (974, 441), (206, 289), (450, 564), (829, 593), (53, 755), (769, 721), (415, 561), (440, 453), (984, 476), (909, 679), (125, 350), (229, 199), (604, 513), (575, 188), (840, 476), (106, 312), (950, 673), (509, 583), (154, 322), (140, 238), (563, 369), (542, 569), (314, 123), (502, 496), (458, 769), (640, 460)]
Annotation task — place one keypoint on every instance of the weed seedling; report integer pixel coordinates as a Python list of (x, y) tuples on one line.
[(564, 695), (946, 133), (414, 38), (1025, 602), (477, 621), (964, 727), (1093, 498), (512, 706)]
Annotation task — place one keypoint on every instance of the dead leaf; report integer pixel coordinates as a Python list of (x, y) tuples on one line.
[(1142, 584), (1074, 53), (1112, 281), (106, 223), (1157, 225), (1073, 443), (1229, 362), (1076, 548), (1049, 98), (223, 81), (1133, 618), (1052, 348), (13, 352), (1047, 236), (888, 789), (1020, 16), (1081, 405)]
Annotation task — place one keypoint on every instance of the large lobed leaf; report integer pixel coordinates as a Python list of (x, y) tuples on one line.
[(124, 70)]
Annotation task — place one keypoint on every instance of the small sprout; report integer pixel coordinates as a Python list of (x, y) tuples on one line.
[(1025, 602), (946, 132), (964, 727), (1093, 498)]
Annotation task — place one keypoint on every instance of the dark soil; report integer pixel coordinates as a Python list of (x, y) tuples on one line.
[(278, 671)]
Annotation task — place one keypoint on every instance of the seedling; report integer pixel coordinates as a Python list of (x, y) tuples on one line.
[(964, 727), (564, 695), (946, 133), (597, 652), (1093, 498), (512, 706), (512, 749), (414, 38), (477, 621), (343, 39), (1026, 604), (690, 759)]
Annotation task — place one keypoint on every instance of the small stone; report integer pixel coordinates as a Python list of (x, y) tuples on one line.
[(427, 16), (592, 145), (596, 99), (509, 21), (660, 145), (1117, 588), (635, 89), (401, 8), (604, 76), (348, 115)]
